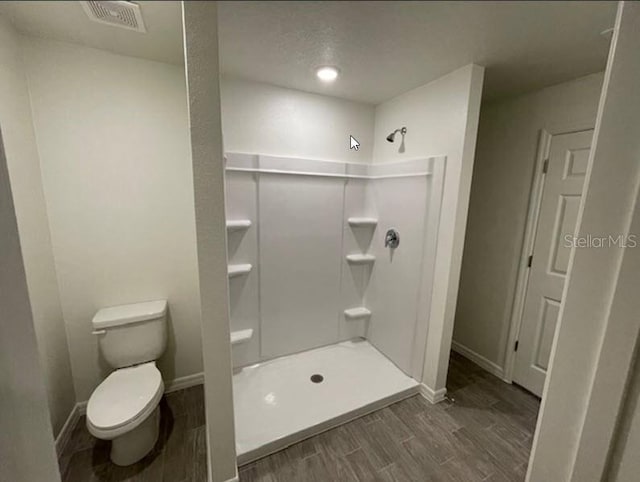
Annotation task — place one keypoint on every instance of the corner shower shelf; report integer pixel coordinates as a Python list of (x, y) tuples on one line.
[(238, 269), (241, 336), (357, 313), (368, 222), (360, 258), (238, 224)]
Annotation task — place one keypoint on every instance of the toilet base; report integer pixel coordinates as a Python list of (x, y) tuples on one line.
[(129, 448)]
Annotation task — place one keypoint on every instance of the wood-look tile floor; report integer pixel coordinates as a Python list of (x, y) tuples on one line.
[(179, 454), (484, 434)]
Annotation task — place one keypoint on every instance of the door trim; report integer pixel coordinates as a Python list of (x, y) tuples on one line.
[(533, 212)]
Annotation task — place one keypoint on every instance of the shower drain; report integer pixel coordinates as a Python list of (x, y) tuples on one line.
[(317, 378)]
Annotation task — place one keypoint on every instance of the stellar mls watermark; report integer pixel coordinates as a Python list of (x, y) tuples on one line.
[(609, 241)]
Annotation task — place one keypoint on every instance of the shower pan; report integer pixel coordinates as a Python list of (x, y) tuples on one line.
[(328, 317)]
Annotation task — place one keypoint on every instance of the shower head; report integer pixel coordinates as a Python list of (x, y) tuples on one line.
[(391, 137)]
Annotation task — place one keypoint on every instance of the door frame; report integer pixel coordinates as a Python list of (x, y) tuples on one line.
[(530, 230)]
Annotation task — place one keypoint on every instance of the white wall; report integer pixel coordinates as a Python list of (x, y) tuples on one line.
[(441, 119), (113, 138), (507, 142), (264, 119), (26, 440), (33, 225)]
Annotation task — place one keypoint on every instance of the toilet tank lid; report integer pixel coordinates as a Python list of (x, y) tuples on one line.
[(123, 314)]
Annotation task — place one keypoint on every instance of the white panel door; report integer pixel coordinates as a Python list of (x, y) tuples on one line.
[(564, 181)]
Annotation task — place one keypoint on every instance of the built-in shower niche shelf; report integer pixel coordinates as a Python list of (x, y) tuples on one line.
[(238, 225), (363, 222), (238, 269), (241, 336), (360, 258), (357, 313)]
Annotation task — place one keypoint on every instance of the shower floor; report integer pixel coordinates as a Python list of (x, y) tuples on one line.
[(277, 404)]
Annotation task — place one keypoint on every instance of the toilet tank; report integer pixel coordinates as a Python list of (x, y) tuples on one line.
[(132, 334)]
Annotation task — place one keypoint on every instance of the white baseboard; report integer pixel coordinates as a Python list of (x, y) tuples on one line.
[(65, 432), (433, 396), (233, 479), (184, 382), (80, 408), (479, 360)]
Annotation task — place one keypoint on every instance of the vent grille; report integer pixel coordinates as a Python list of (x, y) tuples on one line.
[(118, 13)]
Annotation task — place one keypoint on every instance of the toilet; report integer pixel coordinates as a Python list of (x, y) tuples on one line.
[(124, 407)]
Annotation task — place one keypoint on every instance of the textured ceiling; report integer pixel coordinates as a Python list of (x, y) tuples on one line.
[(66, 21), (385, 48), (381, 48)]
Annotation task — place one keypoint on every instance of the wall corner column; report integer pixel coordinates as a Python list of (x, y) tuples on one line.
[(201, 57), (457, 188)]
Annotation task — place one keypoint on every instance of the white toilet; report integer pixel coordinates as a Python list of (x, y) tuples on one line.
[(124, 407)]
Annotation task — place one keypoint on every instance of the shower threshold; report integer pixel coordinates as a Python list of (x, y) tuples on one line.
[(283, 401)]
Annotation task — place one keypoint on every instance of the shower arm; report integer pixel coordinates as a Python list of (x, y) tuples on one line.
[(391, 137)]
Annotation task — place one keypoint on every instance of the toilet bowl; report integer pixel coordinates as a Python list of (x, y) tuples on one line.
[(124, 407)]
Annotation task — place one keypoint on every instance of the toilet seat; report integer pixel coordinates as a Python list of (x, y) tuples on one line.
[(124, 400)]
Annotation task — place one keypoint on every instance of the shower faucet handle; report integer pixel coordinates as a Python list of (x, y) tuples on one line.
[(392, 239)]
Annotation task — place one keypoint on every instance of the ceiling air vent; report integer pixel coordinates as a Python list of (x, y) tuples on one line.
[(118, 13)]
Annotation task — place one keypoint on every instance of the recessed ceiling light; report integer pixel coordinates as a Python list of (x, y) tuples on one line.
[(327, 74)]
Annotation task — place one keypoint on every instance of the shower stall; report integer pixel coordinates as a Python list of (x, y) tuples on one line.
[(330, 275)]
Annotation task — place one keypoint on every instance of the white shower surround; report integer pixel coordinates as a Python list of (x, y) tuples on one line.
[(299, 211)]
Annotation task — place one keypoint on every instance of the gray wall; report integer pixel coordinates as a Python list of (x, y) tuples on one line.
[(507, 142), (33, 226), (26, 440), (625, 459)]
